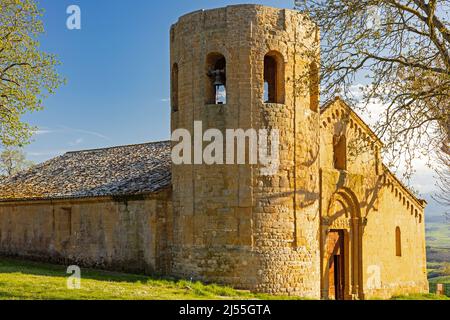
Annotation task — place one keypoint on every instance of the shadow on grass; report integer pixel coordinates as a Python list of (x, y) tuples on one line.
[(190, 289), (12, 265)]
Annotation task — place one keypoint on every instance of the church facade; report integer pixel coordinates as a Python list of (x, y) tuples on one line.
[(332, 222)]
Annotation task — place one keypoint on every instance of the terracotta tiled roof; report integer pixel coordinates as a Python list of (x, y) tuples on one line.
[(116, 171)]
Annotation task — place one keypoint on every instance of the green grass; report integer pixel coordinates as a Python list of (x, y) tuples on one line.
[(31, 280), (428, 296), (445, 280)]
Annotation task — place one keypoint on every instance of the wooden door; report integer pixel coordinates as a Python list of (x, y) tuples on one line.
[(335, 256)]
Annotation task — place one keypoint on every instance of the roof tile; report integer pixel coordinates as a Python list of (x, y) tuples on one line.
[(116, 171)]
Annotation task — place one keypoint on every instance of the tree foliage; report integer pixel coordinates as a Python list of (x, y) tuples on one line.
[(443, 175), (27, 74), (12, 161), (396, 53)]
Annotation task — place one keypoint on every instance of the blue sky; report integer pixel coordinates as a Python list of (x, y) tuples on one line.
[(117, 70)]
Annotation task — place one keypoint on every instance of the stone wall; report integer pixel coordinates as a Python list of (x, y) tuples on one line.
[(402, 274), (369, 203), (232, 224), (126, 234)]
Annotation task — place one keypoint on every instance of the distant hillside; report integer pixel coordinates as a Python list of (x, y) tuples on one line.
[(437, 230), (441, 219)]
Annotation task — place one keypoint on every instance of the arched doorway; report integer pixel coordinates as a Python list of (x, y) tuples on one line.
[(341, 234)]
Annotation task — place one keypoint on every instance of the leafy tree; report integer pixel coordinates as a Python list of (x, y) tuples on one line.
[(13, 160), (397, 53), (443, 175), (27, 74)]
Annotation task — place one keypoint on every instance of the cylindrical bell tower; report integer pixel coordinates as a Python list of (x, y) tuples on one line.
[(248, 67)]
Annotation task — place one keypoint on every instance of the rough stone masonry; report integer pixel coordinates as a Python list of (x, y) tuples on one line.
[(331, 223)]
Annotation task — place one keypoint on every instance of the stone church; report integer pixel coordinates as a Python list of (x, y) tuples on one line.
[(331, 223)]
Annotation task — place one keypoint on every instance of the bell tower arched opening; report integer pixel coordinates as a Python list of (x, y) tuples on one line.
[(273, 78), (216, 70)]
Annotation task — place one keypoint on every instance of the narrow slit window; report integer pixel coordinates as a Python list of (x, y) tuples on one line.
[(340, 152), (398, 242), (216, 69), (174, 88), (273, 78)]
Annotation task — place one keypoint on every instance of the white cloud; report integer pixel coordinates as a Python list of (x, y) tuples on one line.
[(64, 129), (372, 111), (41, 131), (423, 179), (92, 133), (356, 90)]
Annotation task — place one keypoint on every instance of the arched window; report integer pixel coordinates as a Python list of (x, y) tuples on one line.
[(273, 78), (174, 88), (216, 71), (314, 87), (340, 152), (398, 242)]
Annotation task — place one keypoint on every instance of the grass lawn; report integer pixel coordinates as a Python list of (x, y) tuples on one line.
[(445, 280), (429, 296), (31, 280)]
